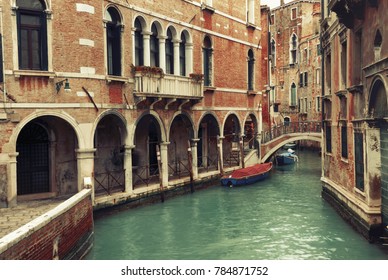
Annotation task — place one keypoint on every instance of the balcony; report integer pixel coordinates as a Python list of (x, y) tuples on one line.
[(151, 84)]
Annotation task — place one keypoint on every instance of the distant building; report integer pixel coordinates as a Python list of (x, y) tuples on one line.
[(295, 62), (355, 153), (144, 75)]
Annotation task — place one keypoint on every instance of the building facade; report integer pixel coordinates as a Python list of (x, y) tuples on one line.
[(295, 62), (355, 57), (126, 96)]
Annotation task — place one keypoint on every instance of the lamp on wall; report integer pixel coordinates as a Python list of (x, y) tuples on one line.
[(59, 84)]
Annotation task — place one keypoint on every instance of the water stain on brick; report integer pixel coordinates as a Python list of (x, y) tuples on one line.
[(375, 186)]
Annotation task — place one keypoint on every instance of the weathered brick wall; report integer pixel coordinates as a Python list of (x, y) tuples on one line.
[(69, 231)]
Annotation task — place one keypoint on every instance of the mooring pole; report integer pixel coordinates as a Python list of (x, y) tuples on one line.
[(242, 152), (219, 153), (190, 158), (160, 173)]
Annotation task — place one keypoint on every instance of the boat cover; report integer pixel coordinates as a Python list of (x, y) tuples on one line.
[(251, 170)]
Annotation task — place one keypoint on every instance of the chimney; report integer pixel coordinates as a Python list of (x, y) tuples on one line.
[(281, 2)]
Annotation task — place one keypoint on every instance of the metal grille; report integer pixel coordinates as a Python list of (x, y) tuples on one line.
[(384, 173), (359, 159), (33, 160)]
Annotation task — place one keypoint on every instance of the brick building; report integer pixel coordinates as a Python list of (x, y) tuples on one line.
[(295, 62), (92, 91), (355, 56)]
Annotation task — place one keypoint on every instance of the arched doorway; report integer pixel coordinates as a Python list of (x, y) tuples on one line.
[(207, 146), (33, 169), (181, 133), (378, 109), (250, 132), (109, 140), (47, 162), (231, 148), (144, 156)]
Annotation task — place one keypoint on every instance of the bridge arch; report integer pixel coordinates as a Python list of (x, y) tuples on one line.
[(268, 149)]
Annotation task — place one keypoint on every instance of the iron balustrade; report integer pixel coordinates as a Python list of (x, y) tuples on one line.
[(206, 163), (109, 182), (290, 127), (145, 175)]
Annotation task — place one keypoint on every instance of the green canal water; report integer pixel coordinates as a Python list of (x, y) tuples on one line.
[(283, 217)]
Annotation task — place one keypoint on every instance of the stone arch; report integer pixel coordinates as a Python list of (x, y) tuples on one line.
[(125, 138), (207, 146), (187, 34), (193, 133), (159, 27), (378, 105), (228, 115), (11, 147), (47, 159), (116, 10), (142, 21), (270, 148), (132, 130)]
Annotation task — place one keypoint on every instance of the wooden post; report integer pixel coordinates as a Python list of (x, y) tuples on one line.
[(242, 157), (191, 171), (160, 173), (219, 152)]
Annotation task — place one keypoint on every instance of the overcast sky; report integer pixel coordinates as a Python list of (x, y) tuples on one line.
[(273, 3)]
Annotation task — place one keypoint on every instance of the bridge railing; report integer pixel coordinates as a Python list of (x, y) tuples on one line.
[(290, 127)]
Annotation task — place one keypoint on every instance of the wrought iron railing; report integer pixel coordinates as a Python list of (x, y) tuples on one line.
[(290, 127), (145, 175), (206, 163), (109, 182)]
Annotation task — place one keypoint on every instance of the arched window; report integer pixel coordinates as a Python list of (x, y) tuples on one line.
[(154, 46), (139, 48), (182, 55), (293, 95), (113, 40), (251, 63), (32, 35), (273, 52), (207, 61), (169, 53), (377, 44), (293, 49)]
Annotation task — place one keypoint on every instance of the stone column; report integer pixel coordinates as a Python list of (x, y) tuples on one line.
[(146, 48), (128, 168), (85, 167), (177, 65), (164, 160), (162, 52), (189, 58), (12, 180)]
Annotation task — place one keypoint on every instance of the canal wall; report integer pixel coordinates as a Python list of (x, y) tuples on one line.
[(348, 214), (65, 232), (154, 194)]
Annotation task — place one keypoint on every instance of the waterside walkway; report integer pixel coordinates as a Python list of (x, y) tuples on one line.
[(14, 217)]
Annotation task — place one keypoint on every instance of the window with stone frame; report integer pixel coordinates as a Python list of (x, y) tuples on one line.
[(154, 46), (113, 41), (139, 47), (251, 70), (169, 53), (207, 61), (32, 35)]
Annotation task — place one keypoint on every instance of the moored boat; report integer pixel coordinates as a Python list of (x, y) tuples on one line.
[(247, 175), (286, 158)]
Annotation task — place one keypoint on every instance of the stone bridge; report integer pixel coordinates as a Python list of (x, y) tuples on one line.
[(278, 136)]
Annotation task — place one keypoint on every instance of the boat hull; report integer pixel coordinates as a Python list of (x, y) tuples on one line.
[(246, 180), (285, 160)]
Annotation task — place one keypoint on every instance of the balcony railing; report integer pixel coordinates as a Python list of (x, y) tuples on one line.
[(163, 85)]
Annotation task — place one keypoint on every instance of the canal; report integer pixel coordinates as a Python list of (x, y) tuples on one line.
[(283, 217)]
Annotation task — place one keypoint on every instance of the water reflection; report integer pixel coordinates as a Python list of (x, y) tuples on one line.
[(283, 217)]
